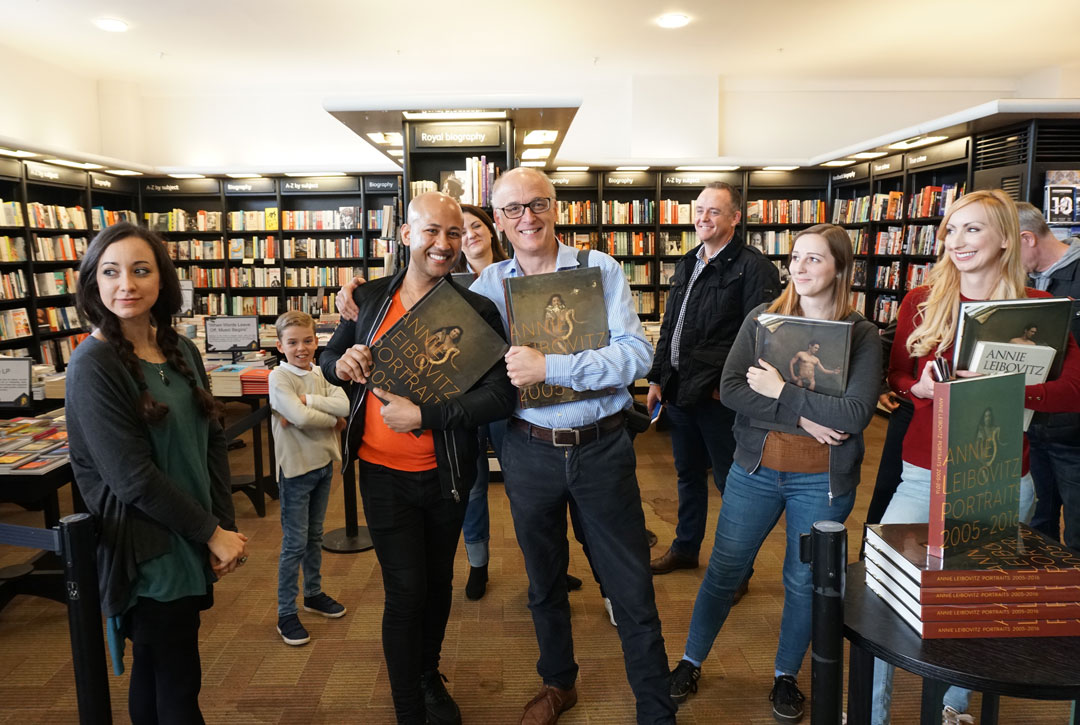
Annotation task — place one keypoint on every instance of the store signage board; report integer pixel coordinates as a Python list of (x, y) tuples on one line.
[(573, 179), (700, 179), (15, 377), (319, 184), (105, 182), (939, 154), (10, 168), (182, 186), (617, 179), (232, 334), (382, 184), (456, 135), (54, 174), (858, 172), (249, 186)]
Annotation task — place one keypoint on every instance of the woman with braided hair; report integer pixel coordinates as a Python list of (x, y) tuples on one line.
[(149, 458)]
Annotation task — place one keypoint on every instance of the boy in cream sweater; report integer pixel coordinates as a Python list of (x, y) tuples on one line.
[(309, 413)]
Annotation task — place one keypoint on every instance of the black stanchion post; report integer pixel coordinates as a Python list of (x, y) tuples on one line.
[(79, 542), (826, 550), (353, 537)]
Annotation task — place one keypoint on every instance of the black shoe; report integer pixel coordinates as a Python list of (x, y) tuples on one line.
[(787, 700), (441, 708), (291, 631), (684, 680), (477, 584), (572, 583)]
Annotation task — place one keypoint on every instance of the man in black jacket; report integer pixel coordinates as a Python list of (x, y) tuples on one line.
[(1053, 438), (714, 287), (415, 488)]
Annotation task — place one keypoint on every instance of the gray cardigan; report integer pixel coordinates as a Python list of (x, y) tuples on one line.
[(756, 414), (111, 456)]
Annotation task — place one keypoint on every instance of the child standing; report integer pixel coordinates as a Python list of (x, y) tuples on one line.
[(308, 414)]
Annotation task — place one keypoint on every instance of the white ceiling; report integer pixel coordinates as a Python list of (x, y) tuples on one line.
[(328, 47)]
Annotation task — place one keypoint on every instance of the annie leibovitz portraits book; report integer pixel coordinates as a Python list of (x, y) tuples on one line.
[(558, 314), (812, 354), (1009, 336), (437, 350)]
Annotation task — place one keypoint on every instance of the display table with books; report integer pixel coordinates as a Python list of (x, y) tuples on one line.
[(1041, 668)]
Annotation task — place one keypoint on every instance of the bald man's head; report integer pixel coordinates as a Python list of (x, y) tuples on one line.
[(428, 202), (433, 235)]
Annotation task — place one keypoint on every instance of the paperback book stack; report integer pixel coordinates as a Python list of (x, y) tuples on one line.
[(1023, 585), (32, 446), (255, 381)]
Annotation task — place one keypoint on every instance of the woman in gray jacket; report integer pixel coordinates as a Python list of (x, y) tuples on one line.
[(798, 453)]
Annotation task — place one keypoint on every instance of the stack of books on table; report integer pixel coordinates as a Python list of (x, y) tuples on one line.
[(255, 381), (1025, 585), (32, 445), (225, 380)]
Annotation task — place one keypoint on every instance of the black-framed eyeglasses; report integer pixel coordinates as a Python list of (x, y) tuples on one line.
[(539, 205)]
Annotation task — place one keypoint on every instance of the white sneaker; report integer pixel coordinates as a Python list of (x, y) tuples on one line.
[(611, 614), (952, 717)]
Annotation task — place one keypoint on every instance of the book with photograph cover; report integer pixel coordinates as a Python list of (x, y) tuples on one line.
[(975, 461), (558, 314), (1034, 361), (1031, 321), (437, 350), (812, 354)]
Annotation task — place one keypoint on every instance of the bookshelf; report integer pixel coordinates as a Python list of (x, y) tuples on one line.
[(780, 204), (578, 208), (382, 213), (849, 195), (478, 150), (628, 233), (885, 238)]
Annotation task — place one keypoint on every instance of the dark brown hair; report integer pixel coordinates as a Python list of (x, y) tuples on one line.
[(498, 254)]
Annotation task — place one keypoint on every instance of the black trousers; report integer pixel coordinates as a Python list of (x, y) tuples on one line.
[(415, 532), (166, 672)]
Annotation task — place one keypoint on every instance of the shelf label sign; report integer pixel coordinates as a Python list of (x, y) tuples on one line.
[(187, 298), (951, 151), (232, 334), (699, 178), (382, 184), (315, 184), (572, 178), (456, 135), (15, 381), (1060, 203), (250, 186), (10, 168), (887, 165), (852, 173), (111, 183), (182, 186), (54, 174), (629, 178)]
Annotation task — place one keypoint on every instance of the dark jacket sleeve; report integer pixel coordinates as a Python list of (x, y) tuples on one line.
[(343, 338), (217, 455), (120, 452), (492, 397)]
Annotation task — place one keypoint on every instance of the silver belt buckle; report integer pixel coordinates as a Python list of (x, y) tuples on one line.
[(555, 437)]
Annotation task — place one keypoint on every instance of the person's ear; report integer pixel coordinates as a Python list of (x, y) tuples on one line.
[(406, 234)]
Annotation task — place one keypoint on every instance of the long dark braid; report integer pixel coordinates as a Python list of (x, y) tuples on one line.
[(169, 342)]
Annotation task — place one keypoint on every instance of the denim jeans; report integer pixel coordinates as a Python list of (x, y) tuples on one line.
[(476, 529), (1055, 468), (701, 438), (415, 532), (911, 505), (752, 505), (303, 508), (599, 476)]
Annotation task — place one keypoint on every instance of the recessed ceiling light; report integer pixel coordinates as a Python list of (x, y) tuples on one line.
[(868, 155), (706, 168), (123, 172), (112, 25), (571, 168), (540, 137), (631, 168), (673, 20), (916, 142), (839, 162), (780, 168), (17, 153), (244, 176), (534, 163), (187, 176), (459, 114), (74, 164), (391, 138), (314, 173), (395, 152), (535, 153)]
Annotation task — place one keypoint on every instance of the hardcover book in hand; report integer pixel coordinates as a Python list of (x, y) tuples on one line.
[(1031, 321), (812, 354), (1034, 361), (558, 314)]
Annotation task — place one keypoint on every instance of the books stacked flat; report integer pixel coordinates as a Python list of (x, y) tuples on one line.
[(225, 381), (255, 381), (32, 445), (1019, 586)]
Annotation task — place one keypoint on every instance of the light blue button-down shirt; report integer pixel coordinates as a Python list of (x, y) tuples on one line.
[(627, 357)]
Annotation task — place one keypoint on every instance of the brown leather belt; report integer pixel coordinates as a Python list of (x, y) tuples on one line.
[(567, 437)]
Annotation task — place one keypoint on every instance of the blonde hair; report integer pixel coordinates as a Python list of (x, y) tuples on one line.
[(293, 318), (843, 259), (937, 313)]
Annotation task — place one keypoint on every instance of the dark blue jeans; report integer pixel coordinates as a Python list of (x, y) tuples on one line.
[(540, 480), (701, 437), (476, 529), (1055, 468), (303, 508), (415, 531)]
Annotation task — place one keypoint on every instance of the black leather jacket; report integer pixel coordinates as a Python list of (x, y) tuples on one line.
[(736, 281), (453, 422)]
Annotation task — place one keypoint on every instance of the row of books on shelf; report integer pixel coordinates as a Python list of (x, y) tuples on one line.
[(13, 285), (14, 324), (205, 276), (772, 241), (62, 248), (889, 241), (851, 211), (56, 282), (344, 217), (471, 185), (860, 240), (917, 274), (1022, 585), (575, 212), (181, 220), (51, 216), (581, 240), (886, 308), (644, 302), (319, 276), (785, 211), (57, 319), (637, 272), (921, 239), (932, 201), (11, 214), (887, 206), (100, 217), (626, 243), (33, 445), (254, 220), (636, 211), (312, 248), (53, 352), (858, 301), (887, 276), (202, 249), (672, 211), (313, 304), (248, 249), (677, 243)]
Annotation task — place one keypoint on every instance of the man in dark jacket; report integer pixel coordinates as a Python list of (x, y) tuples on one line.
[(713, 289), (1054, 438), (415, 487)]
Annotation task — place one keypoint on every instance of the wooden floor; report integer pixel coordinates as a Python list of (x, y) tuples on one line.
[(250, 676)]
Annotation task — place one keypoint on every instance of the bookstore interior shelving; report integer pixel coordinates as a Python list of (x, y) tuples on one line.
[(262, 245)]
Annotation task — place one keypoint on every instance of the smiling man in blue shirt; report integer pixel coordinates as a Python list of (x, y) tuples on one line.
[(581, 451)]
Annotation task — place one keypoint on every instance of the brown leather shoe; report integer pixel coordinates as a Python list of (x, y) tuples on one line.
[(740, 592), (549, 703), (671, 561)]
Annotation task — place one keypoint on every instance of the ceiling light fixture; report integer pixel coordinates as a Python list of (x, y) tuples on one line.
[(244, 176), (670, 21), (706, 168), (535, 153), (534, 163), (571, 168), (187, 176), (916, 142), (111, 25), (869, 155), (123, 172), (780, 168), (300, 174), (86, 166), (386, 138), (540, 137), (631, 168), (839, 162), (395, 152), (474, 114), (17, 153)]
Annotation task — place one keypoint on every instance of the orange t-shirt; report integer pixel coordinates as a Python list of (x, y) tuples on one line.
[(382, 446)]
